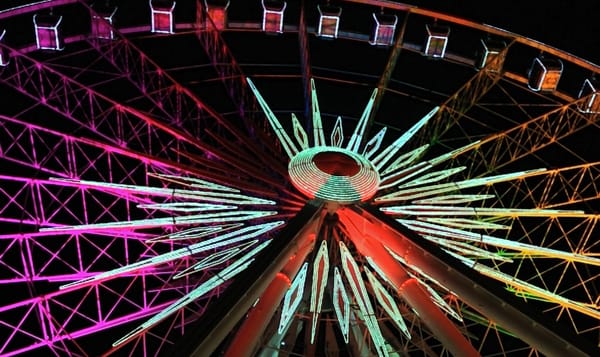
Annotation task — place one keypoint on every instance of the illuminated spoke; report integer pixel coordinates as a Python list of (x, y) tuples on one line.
[(526, 249), (359, 290), (284, 139), (388, 303), (440, 189), (318, 135), (405, 159), (357, 137), (382, 158), (300, 133), (242, 234), (337, 134), (292, 299), (220, 278), (341, 303), (319, 282), (374, 144)]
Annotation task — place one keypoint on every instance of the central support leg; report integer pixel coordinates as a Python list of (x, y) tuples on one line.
[(206, 334), (480, 292), (248, 335), (410, 290)]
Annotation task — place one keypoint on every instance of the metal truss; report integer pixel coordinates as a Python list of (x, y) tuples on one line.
[(503, 148), (47, 320), (110, 121), (386, 76), (173, 102), (454, 108), (561, 187), (62, 155), (226, 65), (305, 65), (234, 80)]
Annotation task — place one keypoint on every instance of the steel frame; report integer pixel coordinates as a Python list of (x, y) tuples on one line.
[(126, 146)]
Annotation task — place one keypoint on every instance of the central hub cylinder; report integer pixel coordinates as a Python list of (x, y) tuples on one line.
[(333, 174)]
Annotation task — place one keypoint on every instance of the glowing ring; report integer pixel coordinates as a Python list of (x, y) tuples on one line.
[(310, 178)]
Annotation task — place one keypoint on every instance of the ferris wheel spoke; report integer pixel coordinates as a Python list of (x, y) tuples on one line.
[(453, 109), (109, 120), (46, 320), (555, 188), (501, 149), (182, 108), (233, 78)]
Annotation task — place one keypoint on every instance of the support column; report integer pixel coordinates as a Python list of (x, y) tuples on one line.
[(248, 335), (207, 333), (410, 290), (482, 293)]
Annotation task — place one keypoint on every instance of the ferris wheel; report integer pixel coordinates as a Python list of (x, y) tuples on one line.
[(357, 177)]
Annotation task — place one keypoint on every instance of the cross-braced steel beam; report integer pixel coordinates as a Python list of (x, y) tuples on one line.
[(386, 76), (217, 323), (453, 109), (109, 121), (305, 66), (172, 102), (503, 148), (234, 80), (478, 291)]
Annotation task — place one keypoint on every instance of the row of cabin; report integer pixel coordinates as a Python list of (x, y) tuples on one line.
[(543, 74)]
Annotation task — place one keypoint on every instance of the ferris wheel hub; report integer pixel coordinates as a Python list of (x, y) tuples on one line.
[(333, 174)]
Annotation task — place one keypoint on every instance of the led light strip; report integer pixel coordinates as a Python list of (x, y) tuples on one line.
[(292, 298), (404, 160), (452, 199), (193, 182), (337, 134), (218, 279), (464, 223), (403, 176), (431, 210), (218, 196), (239, 235), (352, 272), (425, 228), (374, 144), (215, 259), (195, 232), (439, 189), (320, 274), (299, 133), (388, 303), (359, 130), (382, 158), (435, 176), (318, 134), (286, 142), (467, 249), (342, 312)]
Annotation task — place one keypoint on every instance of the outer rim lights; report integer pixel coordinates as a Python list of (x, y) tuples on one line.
[(315, 182)]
